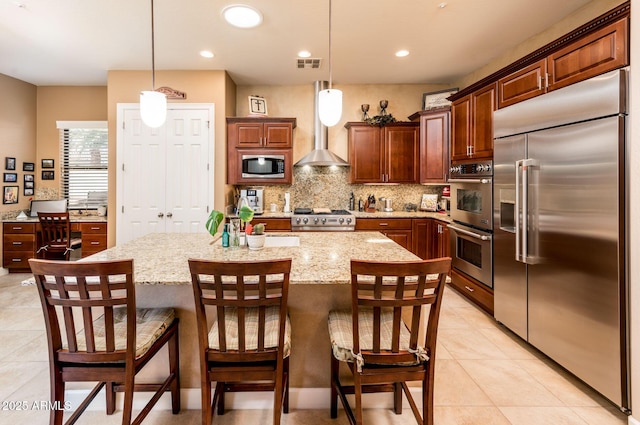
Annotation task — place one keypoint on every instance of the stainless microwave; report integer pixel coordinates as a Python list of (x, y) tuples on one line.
[(263, 166)]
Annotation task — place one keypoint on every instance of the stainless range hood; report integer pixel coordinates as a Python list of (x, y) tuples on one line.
[(320, 155)]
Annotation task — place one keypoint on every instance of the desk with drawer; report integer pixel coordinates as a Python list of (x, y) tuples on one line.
[(21, 239)]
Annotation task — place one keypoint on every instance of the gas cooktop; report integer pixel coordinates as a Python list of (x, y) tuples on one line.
[(322, 219), (323, 211)]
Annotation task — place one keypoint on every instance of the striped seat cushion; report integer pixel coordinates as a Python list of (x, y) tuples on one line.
[(341, 333), (272, 323), (150, 325)]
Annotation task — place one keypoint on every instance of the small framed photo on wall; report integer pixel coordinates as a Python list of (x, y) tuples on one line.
[(257, 105), (10, 195), (48, 175), (10, 177), (28, 185), (28, 178), (28, 192), (47, 163), (28, 166), (9, 163)]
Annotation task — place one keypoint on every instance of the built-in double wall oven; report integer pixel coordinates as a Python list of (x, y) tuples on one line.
[(472, 227)]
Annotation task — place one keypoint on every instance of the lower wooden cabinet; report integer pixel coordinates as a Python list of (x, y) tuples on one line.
[(94, 237), (430, 238), (475, 291), (397, 229), (273, 224)]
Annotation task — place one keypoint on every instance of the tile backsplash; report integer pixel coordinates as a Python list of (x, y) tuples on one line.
[(329, 187)]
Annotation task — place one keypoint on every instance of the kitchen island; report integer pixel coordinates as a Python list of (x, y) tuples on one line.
[(319, 282)]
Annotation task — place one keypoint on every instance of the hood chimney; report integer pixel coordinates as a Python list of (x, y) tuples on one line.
[(320, 155)]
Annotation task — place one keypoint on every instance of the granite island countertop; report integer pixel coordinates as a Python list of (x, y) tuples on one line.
[(377, 214), (320, 258)]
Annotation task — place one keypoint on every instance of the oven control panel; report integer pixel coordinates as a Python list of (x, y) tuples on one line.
[(472, 169)]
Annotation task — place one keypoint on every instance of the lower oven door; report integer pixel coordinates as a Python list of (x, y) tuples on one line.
[(471, 252)]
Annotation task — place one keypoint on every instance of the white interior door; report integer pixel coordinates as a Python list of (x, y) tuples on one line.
[(164, 175)]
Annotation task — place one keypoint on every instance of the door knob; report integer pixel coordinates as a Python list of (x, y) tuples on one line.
[(169, 214), (160, 215)]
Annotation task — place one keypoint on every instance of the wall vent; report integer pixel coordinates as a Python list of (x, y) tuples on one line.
[(309, 63)]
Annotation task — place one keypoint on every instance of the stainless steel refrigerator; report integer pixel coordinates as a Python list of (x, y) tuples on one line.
[(559, 228)]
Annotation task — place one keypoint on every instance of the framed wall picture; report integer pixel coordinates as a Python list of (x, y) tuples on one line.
[(28, 166), (10, 177), (28, 192), (9, 163), (47, 163), (257, 105), (48, 175), (28, 178), (437, 99), (10, 195), (28, 185)]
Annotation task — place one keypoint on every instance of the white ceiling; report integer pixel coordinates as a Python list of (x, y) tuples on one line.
[(75, 42)]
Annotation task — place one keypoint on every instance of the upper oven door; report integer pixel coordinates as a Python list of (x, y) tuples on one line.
[(471, 202)]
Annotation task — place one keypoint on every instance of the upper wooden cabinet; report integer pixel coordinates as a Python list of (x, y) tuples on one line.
[(386, 154), (601, 51), (472, 125), (260, 132), (434, 144), (251, 136)]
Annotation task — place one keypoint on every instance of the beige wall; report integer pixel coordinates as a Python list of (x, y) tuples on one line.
[(557, 30), (201, 87), (297, 101), (64, 103), (17, 131)]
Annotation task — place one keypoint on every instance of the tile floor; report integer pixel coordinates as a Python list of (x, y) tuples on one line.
[(485, 375)]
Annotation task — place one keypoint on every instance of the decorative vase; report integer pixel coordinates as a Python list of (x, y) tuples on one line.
[(256, 242)]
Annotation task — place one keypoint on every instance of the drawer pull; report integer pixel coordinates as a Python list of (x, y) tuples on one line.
[(17, 243), (95, 228), (384, 224), (468, 288), (16, 260), (95, 243), (16, 228)]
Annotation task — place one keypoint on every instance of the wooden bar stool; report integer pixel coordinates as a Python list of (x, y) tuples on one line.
[(381, 350), (99, 335), (247, 348)]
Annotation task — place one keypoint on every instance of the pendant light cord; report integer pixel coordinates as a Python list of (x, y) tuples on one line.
[(330, 55), (153, 53)]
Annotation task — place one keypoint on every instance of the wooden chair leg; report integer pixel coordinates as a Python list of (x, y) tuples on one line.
[(278, 388), (357, 386), (335, 368), (285, 408), (127, 408), (110, 392), (206, 402), (174, 369), (57, 394), (427, 396), (397, 398), (220, 392)]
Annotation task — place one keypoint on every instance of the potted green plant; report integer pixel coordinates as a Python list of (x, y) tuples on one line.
[(256, 238), (213, 222)]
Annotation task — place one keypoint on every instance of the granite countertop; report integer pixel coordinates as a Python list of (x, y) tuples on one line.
[(321, 257), (377, 214), (75, 218)]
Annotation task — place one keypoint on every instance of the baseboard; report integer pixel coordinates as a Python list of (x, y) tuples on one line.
[(633, 421), (299, 399)]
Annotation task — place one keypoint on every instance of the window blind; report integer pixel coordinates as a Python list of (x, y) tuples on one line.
[(85, 160)]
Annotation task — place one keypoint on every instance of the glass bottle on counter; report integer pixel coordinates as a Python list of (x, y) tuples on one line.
[(225, 236)]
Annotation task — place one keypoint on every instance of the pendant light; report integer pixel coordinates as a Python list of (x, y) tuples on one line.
[(330, 100), (153, 104)]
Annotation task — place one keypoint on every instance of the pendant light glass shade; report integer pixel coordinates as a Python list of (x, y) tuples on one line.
[(153, 108), (330, 106)]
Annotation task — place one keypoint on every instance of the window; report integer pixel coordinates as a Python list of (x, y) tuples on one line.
[(84, 160)]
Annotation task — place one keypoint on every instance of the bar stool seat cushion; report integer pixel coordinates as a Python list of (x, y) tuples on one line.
[(272, 322), (150, 325), (341, 333)]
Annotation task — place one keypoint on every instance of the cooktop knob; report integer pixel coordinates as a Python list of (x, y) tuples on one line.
[(305, 220), (348, 220), (341, 220), (315, 220), (324, 220), (297, 220)]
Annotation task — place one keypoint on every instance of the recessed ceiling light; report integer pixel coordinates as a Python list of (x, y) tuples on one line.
[(206, 54), (304, 54), (402, 53), (442, 5), (242, 16)]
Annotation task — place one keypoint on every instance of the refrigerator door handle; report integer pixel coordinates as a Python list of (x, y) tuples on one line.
[(526, 165), (517, 210)]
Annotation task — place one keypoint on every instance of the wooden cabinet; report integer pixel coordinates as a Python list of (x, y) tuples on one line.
[(472, 125), (20, 241), (94, 237), (18, 245), (430, 238), (434, 144), (263, 136), (397, 229), (601, 51), (274, 224), (388, 154), (260, 132), (475, 291)]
